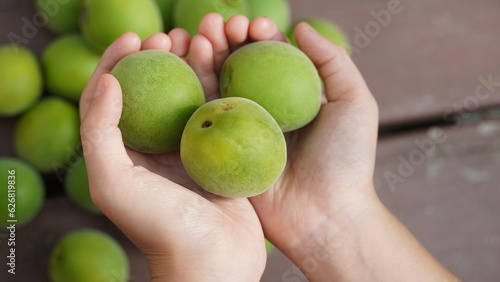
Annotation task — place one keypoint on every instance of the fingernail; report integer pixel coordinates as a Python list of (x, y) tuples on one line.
[(100, 88)]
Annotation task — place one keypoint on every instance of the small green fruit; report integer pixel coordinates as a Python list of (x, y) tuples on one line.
[(166, 8), (278, 10), (103, 21), (326, 28), (20, 80), (26, 185), (76, 184), (277, 76), (62, 16), (48, 134), (68, 63), (160, 92), (88, 255), (232, 147), (189, 13)]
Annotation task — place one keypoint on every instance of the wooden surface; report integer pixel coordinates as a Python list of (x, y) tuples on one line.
[(450, 199), (36, 240), (426, 59), (425, 65)]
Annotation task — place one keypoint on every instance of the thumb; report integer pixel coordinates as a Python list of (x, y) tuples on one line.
[(103, 148), (342, 79)]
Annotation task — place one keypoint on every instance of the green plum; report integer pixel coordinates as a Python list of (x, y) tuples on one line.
[(326, 28), (24, 184), (189, 13), (21, 82), (277, 76), (277, 10), (62, 16), (160, 92), (103, 21), (76, 184), (68, 63), (48, 134), (233, 147), (88, 255), (166, 8)]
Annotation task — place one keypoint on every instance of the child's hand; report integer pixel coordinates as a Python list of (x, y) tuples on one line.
[(185, 233), (323, 213)]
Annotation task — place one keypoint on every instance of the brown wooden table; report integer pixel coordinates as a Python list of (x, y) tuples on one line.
[(424, 66)]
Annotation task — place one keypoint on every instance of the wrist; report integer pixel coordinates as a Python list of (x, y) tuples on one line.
[(332, 241), (366, 242)]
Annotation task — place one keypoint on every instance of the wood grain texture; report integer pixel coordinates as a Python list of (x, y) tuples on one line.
[(427, 59), (448, 196)]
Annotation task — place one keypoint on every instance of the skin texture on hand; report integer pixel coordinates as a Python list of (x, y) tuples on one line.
[(322, 213)]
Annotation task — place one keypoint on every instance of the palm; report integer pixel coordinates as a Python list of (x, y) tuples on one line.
[(199, 216), (203, 218)]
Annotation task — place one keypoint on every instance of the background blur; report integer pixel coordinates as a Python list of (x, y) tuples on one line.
[(438, 163)]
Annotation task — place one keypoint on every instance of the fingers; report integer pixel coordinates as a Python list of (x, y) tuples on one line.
[(264, 29), (342, 79), (201, 60), (180, 41), (212, 27), (102, 142), (237, 31), (127, 44), (157, 41), (216, 40)]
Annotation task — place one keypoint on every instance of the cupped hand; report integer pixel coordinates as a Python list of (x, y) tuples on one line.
[(186, 234), (330, 161), (323, 212)]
